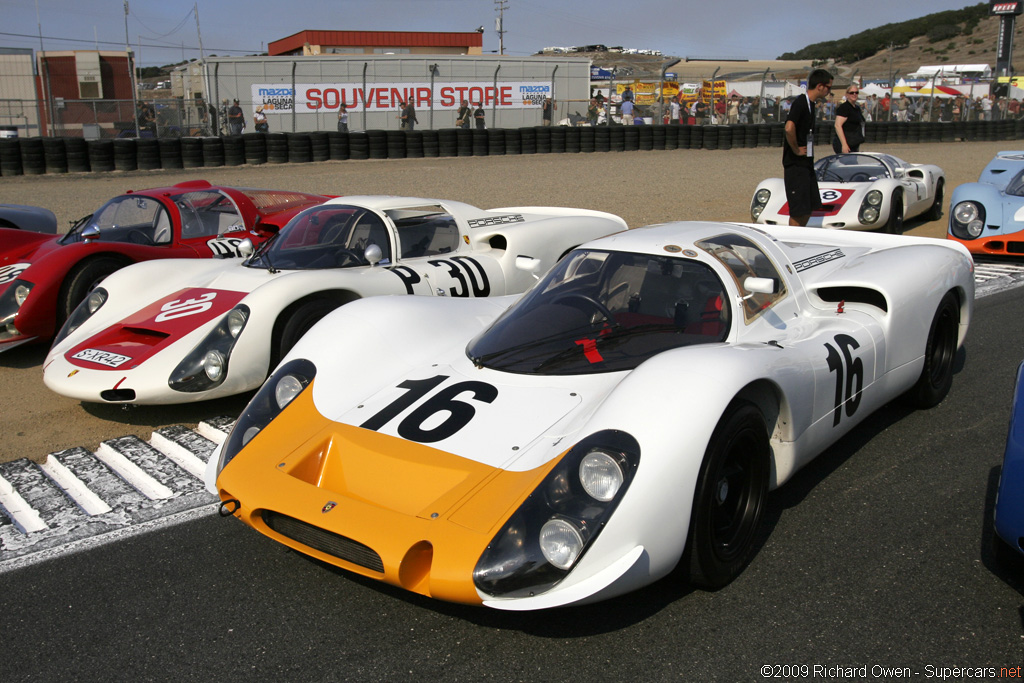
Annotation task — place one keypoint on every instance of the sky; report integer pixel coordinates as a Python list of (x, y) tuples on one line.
[(165, 31)]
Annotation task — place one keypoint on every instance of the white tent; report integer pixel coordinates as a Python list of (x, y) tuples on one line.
[(872, 89)]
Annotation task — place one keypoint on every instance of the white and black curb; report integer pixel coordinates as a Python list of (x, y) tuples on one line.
[(77, 498), (994, 277)]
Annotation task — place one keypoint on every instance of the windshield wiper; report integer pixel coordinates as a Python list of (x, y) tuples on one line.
[(263, 253)]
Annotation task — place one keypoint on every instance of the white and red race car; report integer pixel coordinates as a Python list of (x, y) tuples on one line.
[(860, 191), (190, 329)]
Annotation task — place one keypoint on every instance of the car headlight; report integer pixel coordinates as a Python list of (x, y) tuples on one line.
[(870, 207), (761, 198), (274, 396), (967, 220), (13, 298), (545, 538), (82, 312), (206, 366)]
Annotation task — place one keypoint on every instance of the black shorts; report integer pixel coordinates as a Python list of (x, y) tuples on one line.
[(802, 190)]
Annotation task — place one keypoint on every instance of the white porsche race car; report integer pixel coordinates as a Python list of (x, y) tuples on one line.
[(189, 329), (860, 191), (569, 445)]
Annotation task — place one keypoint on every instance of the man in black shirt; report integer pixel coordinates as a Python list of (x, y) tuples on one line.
[(797, 155)]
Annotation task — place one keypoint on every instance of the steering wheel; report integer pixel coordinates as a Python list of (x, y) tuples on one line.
[(341, 256), (592, 306), (139, 237), (860, 177)]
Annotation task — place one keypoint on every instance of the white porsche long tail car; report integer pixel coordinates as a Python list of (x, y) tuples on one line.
[(626, 415)]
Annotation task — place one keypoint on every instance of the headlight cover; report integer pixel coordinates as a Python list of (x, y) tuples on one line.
[(546, 537), (13, 297), (869, 208), (967, 220), (761, 198), (82, 312), (206, 366), (290, 380)]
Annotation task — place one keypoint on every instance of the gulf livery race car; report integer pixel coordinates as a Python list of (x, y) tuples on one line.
[(1008, 539), (182, 331), (988, 216), (43, 278), (626, 415), (860, 191)]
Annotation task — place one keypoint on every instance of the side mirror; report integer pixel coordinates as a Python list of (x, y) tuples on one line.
[(760, 285), (245, 248), (90, 233), (529, 264), (373, 254)]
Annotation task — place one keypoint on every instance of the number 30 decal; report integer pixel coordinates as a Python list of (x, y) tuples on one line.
[(844, 364), (460, 413)]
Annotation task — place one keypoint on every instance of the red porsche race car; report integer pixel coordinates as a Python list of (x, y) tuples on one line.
[(43, 277)]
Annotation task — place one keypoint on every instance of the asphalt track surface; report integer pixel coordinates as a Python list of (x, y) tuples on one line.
[(876, 555)]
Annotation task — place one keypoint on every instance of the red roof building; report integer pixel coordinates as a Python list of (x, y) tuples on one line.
[(378, 43)]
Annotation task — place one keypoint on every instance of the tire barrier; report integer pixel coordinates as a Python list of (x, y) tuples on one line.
[(396, 147), (358, 146), (234, 150), (191, 152), (300, 148), (254, 146), (170, 153), (55, 155), (101, 155), (147, 154), (33, 158), (277, 148), (414, 144), (37, 155), (213, 152), (319, 145), (496, 142), (10, 157), (337, 145), (513, 141), (125, 158), (77, 150)]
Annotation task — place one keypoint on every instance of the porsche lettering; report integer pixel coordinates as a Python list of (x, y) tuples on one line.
[(495, 220)]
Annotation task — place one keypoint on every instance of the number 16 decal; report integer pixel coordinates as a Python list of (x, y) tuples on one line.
[(460, 413), (845, 364)]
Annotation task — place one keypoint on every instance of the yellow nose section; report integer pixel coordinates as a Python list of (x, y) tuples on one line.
[(383, 507)]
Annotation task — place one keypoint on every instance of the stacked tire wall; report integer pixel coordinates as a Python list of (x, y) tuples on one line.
[(38, 156)]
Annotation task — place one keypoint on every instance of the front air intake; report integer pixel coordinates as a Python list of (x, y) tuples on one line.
[(323, 541)]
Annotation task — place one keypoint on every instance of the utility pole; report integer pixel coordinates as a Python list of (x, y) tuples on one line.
[(131, 71), (195, 8), (499, 24)]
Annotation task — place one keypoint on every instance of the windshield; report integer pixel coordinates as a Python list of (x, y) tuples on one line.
[(600, 311), (1015, 188), (135, 219), (139, 219), (851, 168), (325, 236)]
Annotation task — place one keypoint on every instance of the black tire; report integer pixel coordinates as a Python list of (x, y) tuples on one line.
[(80, 281), (1005, 554), (935, 213), (729, 500), (298, 324), (939, 355), (894, 226)]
